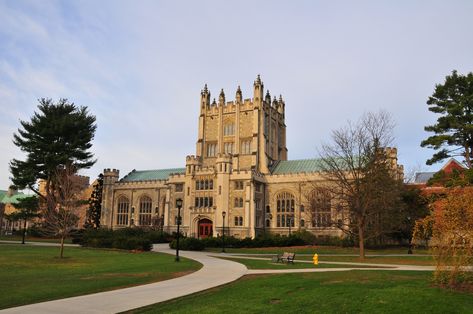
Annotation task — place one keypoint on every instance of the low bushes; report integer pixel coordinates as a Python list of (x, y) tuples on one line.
[(297, 238), (126, 238), (189, 244)]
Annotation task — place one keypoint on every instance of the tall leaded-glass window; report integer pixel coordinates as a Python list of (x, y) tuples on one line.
[(145, 211), (229, 129), (123, 211), (228, 147), (320, 207), (285, 205), (245, 147), (211, 149)]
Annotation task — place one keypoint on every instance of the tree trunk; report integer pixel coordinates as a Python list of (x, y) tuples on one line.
[(361, 242), (24, 232), (467, 156), (62, 247)]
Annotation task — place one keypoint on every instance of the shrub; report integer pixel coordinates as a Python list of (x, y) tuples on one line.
[(126, 239), (189, 244)]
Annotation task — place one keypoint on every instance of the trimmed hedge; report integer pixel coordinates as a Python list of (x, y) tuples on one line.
[(295, 239), (126, 238)]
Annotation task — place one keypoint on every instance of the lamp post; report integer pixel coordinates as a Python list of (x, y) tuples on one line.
[(223, 232), (198, 227), (179, 206), (162, 225), (290, 220)]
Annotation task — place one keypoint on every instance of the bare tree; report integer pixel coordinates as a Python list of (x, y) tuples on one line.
[(62, 205), (361, 178)]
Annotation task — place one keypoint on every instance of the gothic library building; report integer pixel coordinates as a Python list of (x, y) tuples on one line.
[(239, 178)]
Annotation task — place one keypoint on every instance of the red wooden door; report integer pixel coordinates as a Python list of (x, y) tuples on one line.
[(205, 228)]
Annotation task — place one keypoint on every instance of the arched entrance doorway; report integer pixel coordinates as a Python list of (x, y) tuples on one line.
[(205, 228)]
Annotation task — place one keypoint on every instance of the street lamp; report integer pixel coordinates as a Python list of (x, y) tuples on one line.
[(162, 225), (223, 234), (179, 206), (198, 227), (290, 220)]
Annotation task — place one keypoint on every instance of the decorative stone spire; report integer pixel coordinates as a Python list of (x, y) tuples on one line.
[(214, 103), (281, 105), (221, 98), (204, 98), (238, 96), (275, 102), (267, 98), (258, 80), (258, 92)]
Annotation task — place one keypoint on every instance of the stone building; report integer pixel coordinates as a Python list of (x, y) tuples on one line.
[(239, 178)]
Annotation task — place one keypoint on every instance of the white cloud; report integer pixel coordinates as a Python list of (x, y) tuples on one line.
[(140, 67)]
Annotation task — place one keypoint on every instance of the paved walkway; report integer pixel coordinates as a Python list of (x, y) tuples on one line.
[(215, 272)]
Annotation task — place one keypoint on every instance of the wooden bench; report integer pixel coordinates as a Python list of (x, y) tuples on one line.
[(286, 257)]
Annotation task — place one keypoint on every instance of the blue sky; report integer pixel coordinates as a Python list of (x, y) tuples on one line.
[(140, 65)]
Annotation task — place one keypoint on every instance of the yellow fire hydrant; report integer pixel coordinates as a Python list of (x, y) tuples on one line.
[(316, 259)]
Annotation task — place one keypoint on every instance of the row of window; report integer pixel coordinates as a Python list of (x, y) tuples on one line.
[(229, 148), (144, 214), (238, 202), (229, 129), (284, 220), (285, 202), (238, 221), (204, 202), (204, 185)]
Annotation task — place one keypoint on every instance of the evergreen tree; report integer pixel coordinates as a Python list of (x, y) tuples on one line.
[(57, 136), (453, 131), (95, 205), (27, 209)]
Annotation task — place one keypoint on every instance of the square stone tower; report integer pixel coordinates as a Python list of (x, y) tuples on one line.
[(252, 131)]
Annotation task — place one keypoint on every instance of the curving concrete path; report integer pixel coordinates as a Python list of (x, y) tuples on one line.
[(215, 272)]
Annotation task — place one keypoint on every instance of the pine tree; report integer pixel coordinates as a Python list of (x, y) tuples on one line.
[(95, 205), (27, 209), (453, 100), (57, 136)]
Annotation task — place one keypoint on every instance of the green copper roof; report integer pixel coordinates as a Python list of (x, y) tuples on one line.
[(295, 166), (14, 198), (150, 175)]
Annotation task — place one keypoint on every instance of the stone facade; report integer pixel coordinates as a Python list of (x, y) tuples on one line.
[(239, 177)]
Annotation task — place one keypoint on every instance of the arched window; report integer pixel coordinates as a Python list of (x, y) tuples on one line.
[(123, 211), (285, 204), (145, 211), (320, 208), (268, 223)]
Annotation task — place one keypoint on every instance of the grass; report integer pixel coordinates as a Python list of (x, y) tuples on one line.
[(334, 292), (30, 274), (33, 239), (308, 249), (268, 264)]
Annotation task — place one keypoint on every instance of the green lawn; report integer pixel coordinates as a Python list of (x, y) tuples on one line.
[(268, 264), (32, 239), (316, 249), (30, 274), (334, 292)]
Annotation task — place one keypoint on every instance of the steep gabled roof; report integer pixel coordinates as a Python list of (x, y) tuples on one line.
[(295, 166), (151, 175), (423, 177)]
